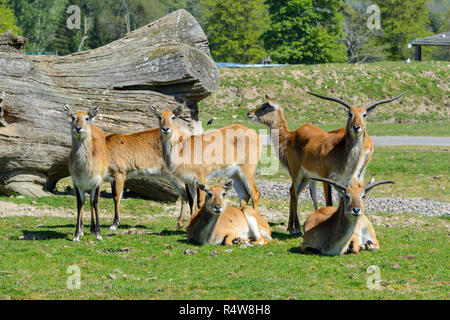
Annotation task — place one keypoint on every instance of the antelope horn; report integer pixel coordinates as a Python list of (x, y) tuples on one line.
[(373, 105), (345, 104), (374, 184), (334, 183)]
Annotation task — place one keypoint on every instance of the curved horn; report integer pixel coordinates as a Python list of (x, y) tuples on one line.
[(374, 184), (370, 107), (334, 183), (345, 104)]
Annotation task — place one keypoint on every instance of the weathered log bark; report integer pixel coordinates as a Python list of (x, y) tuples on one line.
[(163, 63)]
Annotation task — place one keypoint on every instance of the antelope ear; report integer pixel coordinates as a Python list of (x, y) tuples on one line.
[(68, 110), (93, 112), (154, 109), (201, 186), (272, 103), (340, 191), (178, 110), (228, 185)]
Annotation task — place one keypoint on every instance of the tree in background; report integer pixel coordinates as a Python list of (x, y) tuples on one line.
[(43, 22), (234, 29), (401, 22), (305, 31), (38, 20), (173, 5), (359, 38), (439, 23), (8, 19)]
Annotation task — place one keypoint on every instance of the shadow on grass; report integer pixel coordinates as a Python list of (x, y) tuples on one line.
[(166, 233), (102, 226), (190, 243), (309, 252), (283, 236), (42, 235)]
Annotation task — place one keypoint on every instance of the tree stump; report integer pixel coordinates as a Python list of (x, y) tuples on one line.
[(165, 63)]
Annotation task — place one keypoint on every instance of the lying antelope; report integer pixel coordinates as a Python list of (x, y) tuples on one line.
[(135, 155), (312, 152), (333, 231), (88, 164), (216, 223), (218, 153)]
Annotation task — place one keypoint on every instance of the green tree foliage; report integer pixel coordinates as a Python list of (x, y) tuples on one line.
[(305, 31), (439, 23), (401, 22), (234, 29), (7, 19), (359, 38), (43, 22), (38, 20), (173, 5)]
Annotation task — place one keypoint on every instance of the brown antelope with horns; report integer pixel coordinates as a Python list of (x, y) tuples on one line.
[(134, 155), (334, 231), (232, 152), (88, 164), (312, 152), (216, 223)]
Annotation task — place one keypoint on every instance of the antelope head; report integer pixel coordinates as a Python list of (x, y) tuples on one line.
[(215, 197), (353, 197), (269, 113), (81, 122), (166, 120), (356, 123)]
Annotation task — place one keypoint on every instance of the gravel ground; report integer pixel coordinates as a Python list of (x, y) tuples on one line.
[(278, 189), (268, 189)]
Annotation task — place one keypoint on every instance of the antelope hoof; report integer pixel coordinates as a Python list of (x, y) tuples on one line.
[(179, 226), (76, 239), (370, 246), (93, 231), (99, 237), (113, 227), (296, 232)]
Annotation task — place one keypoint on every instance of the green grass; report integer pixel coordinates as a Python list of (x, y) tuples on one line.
[(418, 172), (425, 104), (145, 258), (413, 261)]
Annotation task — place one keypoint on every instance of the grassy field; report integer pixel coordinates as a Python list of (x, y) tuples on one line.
[(148, 259), (424, 110), (151, 263)]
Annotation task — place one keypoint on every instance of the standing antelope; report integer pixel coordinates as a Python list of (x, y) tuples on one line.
[(88, 164), (333, 231), (312, 152), (138, 154), (218, 153), (216, 223)]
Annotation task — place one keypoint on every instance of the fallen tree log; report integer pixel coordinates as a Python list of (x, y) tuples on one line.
[(164, 63)]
